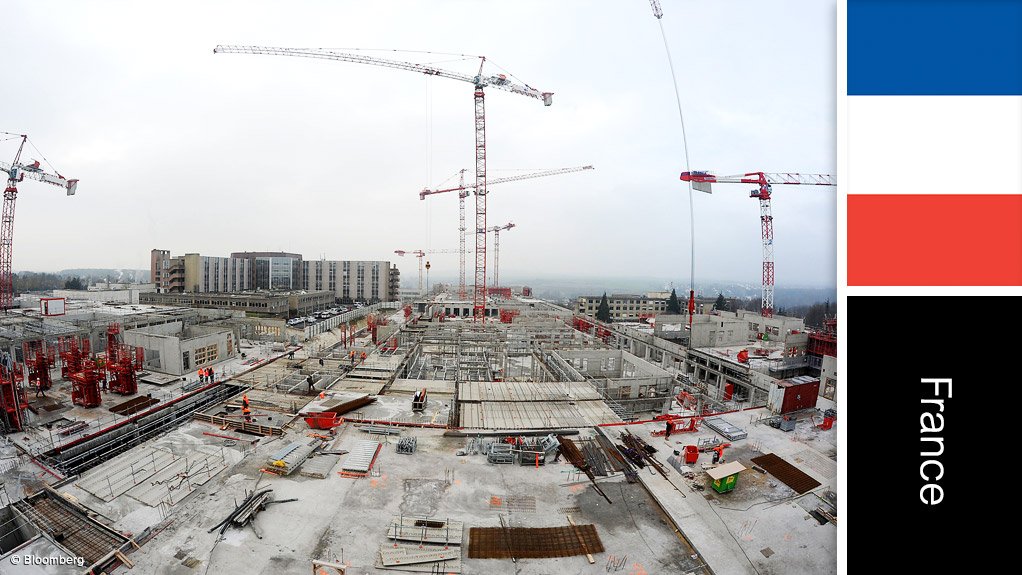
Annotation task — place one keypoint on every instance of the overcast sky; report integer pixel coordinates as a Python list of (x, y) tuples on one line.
[(180, 149)]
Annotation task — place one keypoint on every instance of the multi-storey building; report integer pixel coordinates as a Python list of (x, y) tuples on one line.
[(370, 281), (349, 281), (623, 306), (194, 273), (273, 270)]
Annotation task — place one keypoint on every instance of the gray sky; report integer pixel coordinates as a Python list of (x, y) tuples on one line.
[(181, 149)]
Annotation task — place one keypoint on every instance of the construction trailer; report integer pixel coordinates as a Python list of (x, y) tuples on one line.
[(793, 394)]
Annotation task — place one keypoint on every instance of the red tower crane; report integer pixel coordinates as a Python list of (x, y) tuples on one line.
[(702, 182), (479, 82), (17, 172), (463, 192), (496, 250), (421, 254)]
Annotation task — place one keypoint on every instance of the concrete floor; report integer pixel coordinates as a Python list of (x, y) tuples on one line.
[(340, 517), (762, 527)]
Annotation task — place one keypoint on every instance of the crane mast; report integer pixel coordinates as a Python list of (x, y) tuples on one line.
[(420, 254), (479, 82), (16, 173), (463, 192), (703, 181), (496, 250)]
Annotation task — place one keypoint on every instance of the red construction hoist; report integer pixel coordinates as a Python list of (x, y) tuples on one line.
[(122, 363), (496, 252), (479, 81), (702, 181), (12, 393), (422, 254), (463, 192), (85, 385), (39, 359), (17, 172)]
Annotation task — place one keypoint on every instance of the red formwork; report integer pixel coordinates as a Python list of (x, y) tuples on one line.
[(38, 359), (122, 363), (12, 395), (85, 385)]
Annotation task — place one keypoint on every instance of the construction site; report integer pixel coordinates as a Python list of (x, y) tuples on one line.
[(534, 442), (468, 428)]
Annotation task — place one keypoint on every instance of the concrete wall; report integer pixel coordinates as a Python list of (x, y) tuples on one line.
[(828, 377), (166, 345), (117, 295), (718, 330)]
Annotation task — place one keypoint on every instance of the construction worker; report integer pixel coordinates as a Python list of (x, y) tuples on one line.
[(363, 356), (246, 412), (667, 433)]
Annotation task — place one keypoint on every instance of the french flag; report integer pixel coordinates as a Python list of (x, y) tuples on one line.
[(932, 142)]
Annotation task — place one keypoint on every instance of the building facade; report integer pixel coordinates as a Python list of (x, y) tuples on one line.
[(273, 270), (279, 305), (351, 281), (623, 306)]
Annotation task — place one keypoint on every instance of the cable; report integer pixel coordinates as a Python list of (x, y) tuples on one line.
[(684, 141), (52, 167)]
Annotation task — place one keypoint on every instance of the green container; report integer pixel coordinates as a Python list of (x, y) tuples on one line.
[(725, 484)]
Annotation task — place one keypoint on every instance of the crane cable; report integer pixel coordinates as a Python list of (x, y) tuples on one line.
[(684, 141)]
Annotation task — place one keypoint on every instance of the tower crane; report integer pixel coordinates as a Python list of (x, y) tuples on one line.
[(421, 254), (479, 82), (16, 173), (463, 192), (496, 250), (702, 181)]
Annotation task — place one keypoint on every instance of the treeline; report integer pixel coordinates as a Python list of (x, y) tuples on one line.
[(42, 281)]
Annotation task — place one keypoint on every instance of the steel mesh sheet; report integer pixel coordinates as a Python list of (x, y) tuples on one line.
[(533, 543), (786, 473)]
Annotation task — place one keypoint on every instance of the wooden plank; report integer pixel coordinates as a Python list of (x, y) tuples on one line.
[(585, 548)]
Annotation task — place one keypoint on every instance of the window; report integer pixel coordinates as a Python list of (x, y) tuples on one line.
[(185, 360)]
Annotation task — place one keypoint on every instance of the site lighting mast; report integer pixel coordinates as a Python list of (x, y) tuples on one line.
[(479, 82), (703, 180), (463, 192), (422, 254), (16, 173), (496, 250)]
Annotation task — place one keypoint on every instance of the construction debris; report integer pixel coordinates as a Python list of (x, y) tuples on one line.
[(406, 445), (575, 457), (245, 513)]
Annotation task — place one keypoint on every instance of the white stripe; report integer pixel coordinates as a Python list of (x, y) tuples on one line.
[(934, 145)]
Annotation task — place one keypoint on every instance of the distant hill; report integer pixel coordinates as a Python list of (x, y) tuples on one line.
[(107, 274)]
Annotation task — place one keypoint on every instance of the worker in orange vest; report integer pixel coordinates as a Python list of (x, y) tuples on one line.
[(363, 356), (246, 412)]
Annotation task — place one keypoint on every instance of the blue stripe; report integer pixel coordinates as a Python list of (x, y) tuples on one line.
[(935, 47)]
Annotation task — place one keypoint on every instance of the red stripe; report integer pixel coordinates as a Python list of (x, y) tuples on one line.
[(935, 240)]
